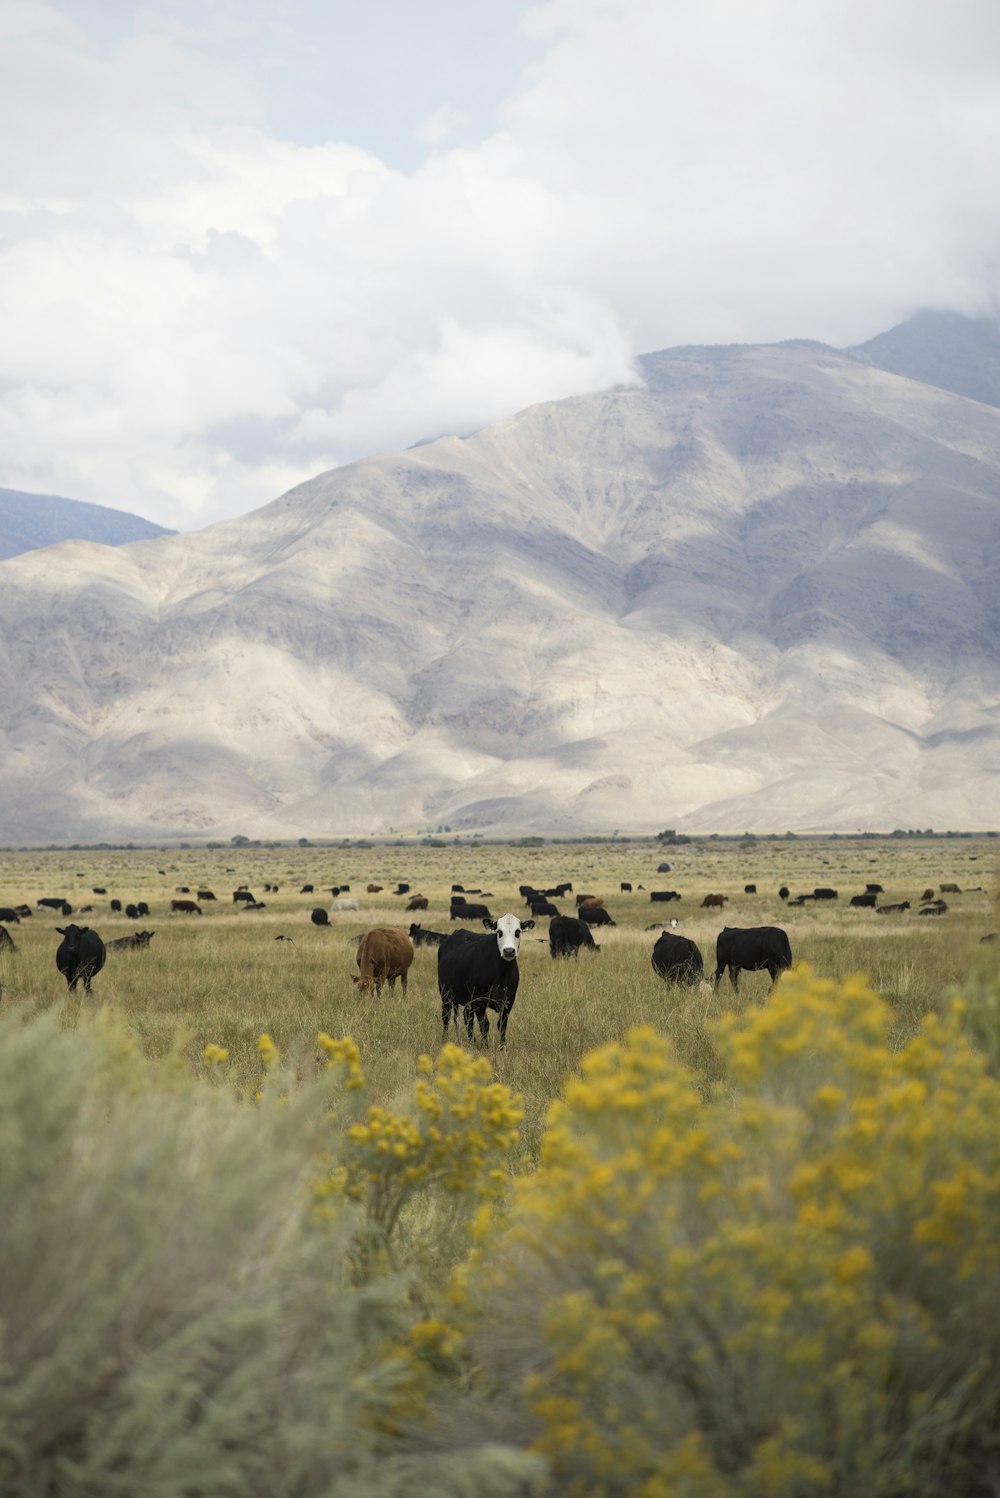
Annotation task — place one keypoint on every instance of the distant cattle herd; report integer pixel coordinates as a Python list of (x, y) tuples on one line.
[(477, 971)]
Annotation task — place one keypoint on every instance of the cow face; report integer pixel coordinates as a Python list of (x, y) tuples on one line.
[(508, 929)]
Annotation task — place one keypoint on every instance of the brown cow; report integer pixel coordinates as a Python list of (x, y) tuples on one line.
[(417, 902), (714, 901), (591, 900), (384, 954), (187, 906), (374, 889), (928, 894)]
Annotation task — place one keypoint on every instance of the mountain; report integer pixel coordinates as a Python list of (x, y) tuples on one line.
[(945, 349), (761, 592), (28, 521)]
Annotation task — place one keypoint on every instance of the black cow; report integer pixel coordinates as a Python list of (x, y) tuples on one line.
[(7, 913), (242, 894), (319, 917), (751, 948), (307, 889), (865, 902), (131, 943), (663, 895), (142, 907), (824, 893), (58, 903), (401, 889), (205, 894), (476, 973), (874, 889), (626, 889), (663, 868), (116, 906), (677, 958), (892, 909), (462, 912), (543, 907), (132, 911), (567, 935), (783, 892), (595, 915), (80, 954), (421, 936), (749, 889), (7, 942), (563, 889)]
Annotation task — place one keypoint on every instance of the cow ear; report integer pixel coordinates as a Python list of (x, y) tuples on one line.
[(489, 924), (526, 925), (61, 930)]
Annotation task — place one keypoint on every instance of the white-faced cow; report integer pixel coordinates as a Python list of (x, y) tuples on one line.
[(751, 948), (479, 972), (677, 959), (80, 954)]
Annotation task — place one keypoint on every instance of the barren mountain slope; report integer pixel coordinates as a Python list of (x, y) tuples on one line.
[(763, 592)]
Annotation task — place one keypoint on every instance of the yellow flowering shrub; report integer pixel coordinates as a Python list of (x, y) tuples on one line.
[(787, 1290), (454, 1140)]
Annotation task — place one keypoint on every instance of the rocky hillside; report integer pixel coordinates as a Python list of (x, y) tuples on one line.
[(762, 592)]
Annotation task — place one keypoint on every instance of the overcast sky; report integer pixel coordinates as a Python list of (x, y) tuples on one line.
[(245, 241)]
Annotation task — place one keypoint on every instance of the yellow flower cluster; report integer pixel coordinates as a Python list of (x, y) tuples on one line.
[(215, 1055), (772, 1291), (345, 1054), (268, 1051)]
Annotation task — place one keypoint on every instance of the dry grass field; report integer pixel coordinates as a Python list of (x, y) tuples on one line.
[(224, 978)]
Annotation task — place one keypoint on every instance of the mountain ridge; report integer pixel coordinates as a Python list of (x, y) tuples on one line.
[(758, 594)]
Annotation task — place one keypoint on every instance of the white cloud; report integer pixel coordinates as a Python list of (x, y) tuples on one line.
[(195, 313)]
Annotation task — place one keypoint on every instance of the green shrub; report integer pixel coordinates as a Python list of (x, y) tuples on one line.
[(174, 1320)]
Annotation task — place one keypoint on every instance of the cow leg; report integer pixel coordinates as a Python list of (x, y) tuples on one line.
[(718, 974), (502, 1025), (402, 983), (470, 1023), (446, 1010), (734, 977)]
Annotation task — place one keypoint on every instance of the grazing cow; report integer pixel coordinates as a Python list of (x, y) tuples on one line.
[(751, 948), (663, 868), (142, 907), (928, 894), (567, 935), (892, 909), (749, 889), (560, 890), (7, 913), (626, 889), (132, 911), (374, 889), (589, 900), (182, 889), (868, 902), (55, 903), (874, 889), (677, 958), (350, 903), (80, 954), (824, 893), (463, 912), (131, 943), (476, 973), (949, 889), (595, 915), (459, 889), (417, 902), (7, 942), (116, 906), (384, 954), (186, 907), (242, 895), (307, 889), (205, 894), (663, 895), (421, 936), (319, 917), (714, 902), (783, 892), (401, 889), (24, 911), (543, 908), (250, 905), (936, 907)]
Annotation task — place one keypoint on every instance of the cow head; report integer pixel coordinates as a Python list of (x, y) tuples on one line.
[(508, 929)]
